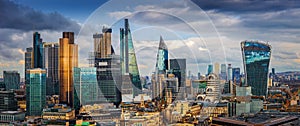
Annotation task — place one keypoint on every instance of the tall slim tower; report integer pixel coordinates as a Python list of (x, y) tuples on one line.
[(50, 63), (37, 51), (36, 92), (162, 57), (128, 59), (223, 74), (68, 59), (217, 69), (28, 61), (210, 69), (256, 59), (229, 72)]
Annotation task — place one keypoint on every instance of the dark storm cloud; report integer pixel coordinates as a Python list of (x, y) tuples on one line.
[(247, 6), (14, 16)]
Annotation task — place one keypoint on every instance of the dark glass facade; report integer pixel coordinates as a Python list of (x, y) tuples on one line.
[(37, 51), (50, 63), (256, 59), (11, 80), (236, 75)]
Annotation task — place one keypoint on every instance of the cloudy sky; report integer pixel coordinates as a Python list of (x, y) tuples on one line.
[(202, 31)]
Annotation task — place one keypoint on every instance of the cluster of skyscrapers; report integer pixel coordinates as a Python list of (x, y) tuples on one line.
[(51, 68)]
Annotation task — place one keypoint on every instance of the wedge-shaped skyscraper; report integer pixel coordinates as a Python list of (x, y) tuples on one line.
[(128, 59)]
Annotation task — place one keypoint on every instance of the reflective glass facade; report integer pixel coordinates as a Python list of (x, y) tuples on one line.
[(128, 59), (35, 91), (85, 86), (37, 50), (162, 57), (68, 59), (256, 59), (210, 69)]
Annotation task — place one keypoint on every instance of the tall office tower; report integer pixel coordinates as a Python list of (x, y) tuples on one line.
[(213, 88), (160, 69), (210, 69), (50, 63), (223, 72), (68, 59), (229, 72), (178, 68), (256, 59), (162, 57), (37, 51), (102, 43), (128, 59), (236, 76), (108, 68), (36, 91), (11, 80), (86, 86), (28, 61), (217, 69)]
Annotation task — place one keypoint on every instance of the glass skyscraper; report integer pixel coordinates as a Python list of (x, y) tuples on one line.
[(236, 75), (162, 57), (108, 68), (210, 69), (223, 74), (35, 91), (68, 59), (128, 59), (85, 86), (50, 63), (256, 59), (37, 51)]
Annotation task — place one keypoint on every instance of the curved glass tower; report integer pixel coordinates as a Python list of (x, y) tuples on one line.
[(256, 59)]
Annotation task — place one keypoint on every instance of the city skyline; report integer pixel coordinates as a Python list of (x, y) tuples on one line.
[(233, 26)]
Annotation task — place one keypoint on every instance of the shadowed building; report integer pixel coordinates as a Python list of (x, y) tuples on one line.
[(11, 80), (37, 51), (68, 59), (50, 63), (256, 59)]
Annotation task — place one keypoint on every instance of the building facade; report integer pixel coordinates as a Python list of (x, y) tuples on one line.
[(37, 51), (8, 101), (35, 92), (68, 59), (28, 60), (256, 59), (50, 63), (11, 80), (128, 59), (85, 86)]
